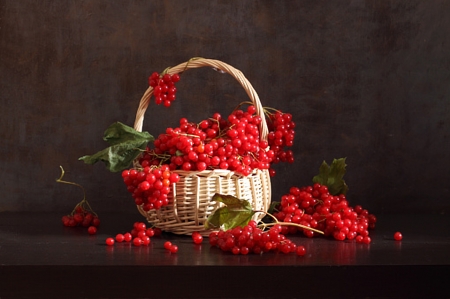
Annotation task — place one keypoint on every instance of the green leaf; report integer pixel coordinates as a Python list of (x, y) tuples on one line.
[(332, 176), (125, 145), (236, 212)]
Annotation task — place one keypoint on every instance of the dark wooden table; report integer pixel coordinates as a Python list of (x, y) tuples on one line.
[(39, 258)]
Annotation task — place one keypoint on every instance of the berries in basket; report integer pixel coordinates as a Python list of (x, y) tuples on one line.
[(174, 177)]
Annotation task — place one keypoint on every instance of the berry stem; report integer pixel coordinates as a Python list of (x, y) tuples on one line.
[(186, 134), (60, 180), (83, 201), (241, 104), (267, 109), (165, 71), (265, 225), (185, 68)]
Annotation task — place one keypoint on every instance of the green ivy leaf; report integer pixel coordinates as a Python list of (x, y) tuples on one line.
[(125, 145), (236, 212), (332, 176)]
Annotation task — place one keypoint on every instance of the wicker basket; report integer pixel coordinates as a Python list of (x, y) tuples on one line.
[(190, 202)]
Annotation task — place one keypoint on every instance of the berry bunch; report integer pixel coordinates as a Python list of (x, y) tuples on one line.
[(251, 239), (217, 143), (150, 186), (313, 206), (281, 135), (82, 215), (139, 235), (164, 88), (197, 238)]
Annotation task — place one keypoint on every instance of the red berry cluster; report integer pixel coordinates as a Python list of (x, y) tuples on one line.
[(164, 88), (139, 235), (217, 143), (313, 206), (281, 135), (150, 186), (82, 215), (251, 239)]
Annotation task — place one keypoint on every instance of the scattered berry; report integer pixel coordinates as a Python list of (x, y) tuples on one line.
[(139, 235), (145, 240), (109, 241), (301, 250), (137, 241), (127, 237), (197, 237), (167, 245), (120, 238), (398, 236), (173, 249)]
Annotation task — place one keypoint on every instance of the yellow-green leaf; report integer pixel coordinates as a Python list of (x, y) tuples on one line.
[(236, 212)]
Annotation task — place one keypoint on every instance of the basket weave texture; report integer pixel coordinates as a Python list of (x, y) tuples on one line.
[(190, 202)]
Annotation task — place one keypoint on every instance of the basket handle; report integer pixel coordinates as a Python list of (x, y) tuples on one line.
[(217, 65)]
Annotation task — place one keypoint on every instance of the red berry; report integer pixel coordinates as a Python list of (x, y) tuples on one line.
[(150, 232), (141, 233), (137, 241), (167, 245), (92, 230), (244, 250), (95, 221), (236, 250), (120, 238), (145, 240), (127, 237), (398, 236), (197, 237), (78, 217), (134, 232), (66, 220), (157, 231), (109, 241), (175, 78), (366, 240), (301, 250)]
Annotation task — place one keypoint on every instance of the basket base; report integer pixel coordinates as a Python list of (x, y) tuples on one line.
[(190, 201)]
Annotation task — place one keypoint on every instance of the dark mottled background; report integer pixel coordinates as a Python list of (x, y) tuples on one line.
[(366, 80)]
